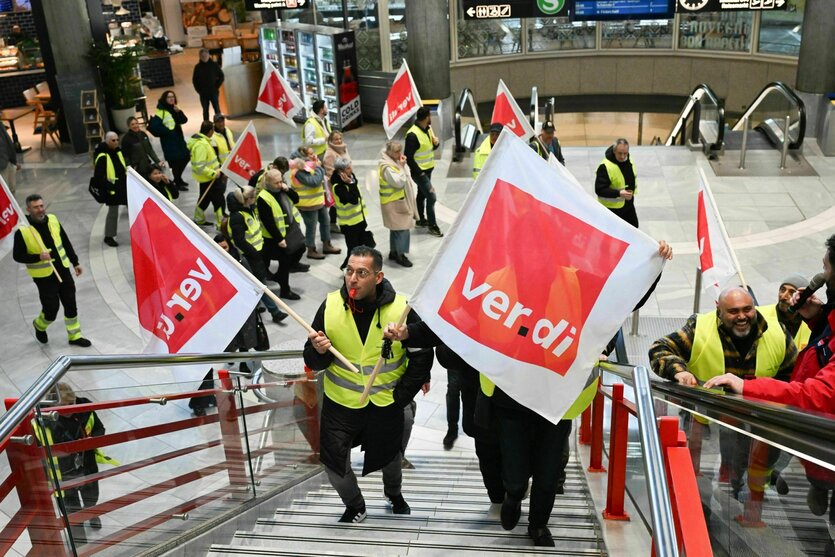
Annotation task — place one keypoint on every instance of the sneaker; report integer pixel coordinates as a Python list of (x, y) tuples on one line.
[(403, 261), (818, 500), (353, 515), (399, 505), (111, 241), (290, 295), (300, 268), (82, 342), (279, 316), (42, 337), (95, 523), (421, 222), (511, 511), (435, 231), (541, 537), (405, 464), (449, 438)]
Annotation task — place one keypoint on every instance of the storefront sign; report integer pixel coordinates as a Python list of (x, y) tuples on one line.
[(694, 6), (252, 5), (501, 9)]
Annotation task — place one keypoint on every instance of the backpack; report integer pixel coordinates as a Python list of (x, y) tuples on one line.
[(156, 127)]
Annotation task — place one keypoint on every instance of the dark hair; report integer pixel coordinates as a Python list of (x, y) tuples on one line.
[(219, 238), (830, 249), (164, 95), (281, 164), (317, 106), (154, 167), (32, 198), (365, 251), (131, 119), (206, 127), (422, 113)]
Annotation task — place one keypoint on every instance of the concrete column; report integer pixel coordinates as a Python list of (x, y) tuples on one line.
[(73, 71), (816, 64), (427, 27)]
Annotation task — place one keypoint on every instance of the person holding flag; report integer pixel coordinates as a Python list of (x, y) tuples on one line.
[(317, 129), (205, 168), (222, 138), (546, 143), (483, 150), (419, 150), (616, 182), (351, 320), (48, 254)]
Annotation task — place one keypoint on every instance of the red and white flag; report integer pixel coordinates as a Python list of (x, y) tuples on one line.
[(402, 101), (508, 113), (716, 259), (10, 218), (245, 159), (191, 296), (533, 280), (276, 98)]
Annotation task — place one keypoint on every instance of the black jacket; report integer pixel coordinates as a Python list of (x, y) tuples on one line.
[(368, 322), (138, 152), (207, 77), (70, 427), (237, 229), (117, 193), (20, 254), (602, 184), (410, 148), (265, 212)]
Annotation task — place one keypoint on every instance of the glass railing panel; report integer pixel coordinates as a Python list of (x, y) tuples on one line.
[(727, 32), (547, 34), (644, 33)]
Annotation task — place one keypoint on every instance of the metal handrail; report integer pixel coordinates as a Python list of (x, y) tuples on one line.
[(56, 370), (533, 115), (466, 95), (663, 526), (692, 106), (792, 97)]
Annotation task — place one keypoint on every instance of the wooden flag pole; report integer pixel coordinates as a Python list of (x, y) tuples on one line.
[(206, 192), (722, 228), (381, 361)]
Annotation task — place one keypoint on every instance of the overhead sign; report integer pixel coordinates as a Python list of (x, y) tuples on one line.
[(696, 6), (503, 9), (275, 4), (597, 10)]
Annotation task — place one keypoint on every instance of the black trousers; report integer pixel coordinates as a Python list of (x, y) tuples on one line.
[(286, 261), (177, 168), (487, 447), (453, 398), (205, 100), (216, 196), (353, 237), (627, 213), (54, 294)]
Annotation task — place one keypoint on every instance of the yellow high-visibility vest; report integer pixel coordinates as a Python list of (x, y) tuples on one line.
[(309, 196), (481, 155), (388, 193), (424, 156), (321, 133), (277, 214), (618, 183), (34, 245), (801, 338)]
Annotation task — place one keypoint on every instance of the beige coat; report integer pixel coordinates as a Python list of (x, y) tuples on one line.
[(400, 214)]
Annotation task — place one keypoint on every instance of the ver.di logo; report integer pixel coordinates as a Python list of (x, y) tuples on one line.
[(550, 7)]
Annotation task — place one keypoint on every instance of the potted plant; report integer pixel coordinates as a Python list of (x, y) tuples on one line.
[(119, 78)]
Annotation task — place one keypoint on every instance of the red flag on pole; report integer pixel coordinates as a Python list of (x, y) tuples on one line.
[(10, 217), (532, 280), (508, 113), (716, 258), (191, 295), (276, 98), (402, 101), (245, 159)]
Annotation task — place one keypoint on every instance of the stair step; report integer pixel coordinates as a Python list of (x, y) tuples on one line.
[(223, 550), (429, 503), (441, 498)]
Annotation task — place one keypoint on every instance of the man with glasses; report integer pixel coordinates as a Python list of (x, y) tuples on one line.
[(351, 320)]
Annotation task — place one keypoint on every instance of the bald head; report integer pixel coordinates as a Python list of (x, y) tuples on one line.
[(735, 309), (272, 178)]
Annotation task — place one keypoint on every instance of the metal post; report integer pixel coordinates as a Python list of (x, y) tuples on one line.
[(618, 437), (697, 297), (744, 148), (636, 317), (785, 142), (596, 458), (640, 127)]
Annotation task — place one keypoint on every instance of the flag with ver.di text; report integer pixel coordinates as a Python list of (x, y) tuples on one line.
[(10, 218), (715, 259), (276, 97), (245, 159), (402, 101), (507, 112), (190, 295), (533, 280)]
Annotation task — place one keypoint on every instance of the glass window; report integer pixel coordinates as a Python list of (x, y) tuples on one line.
[(780, 30), (364, 21), (490, 37), (557, 33), (643, 33), (730, 31), (397, 33)]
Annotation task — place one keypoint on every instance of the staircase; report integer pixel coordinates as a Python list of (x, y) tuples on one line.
[(451, 515)]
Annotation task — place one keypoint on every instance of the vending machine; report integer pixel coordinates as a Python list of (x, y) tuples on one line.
[(278, 48), (338, 76)]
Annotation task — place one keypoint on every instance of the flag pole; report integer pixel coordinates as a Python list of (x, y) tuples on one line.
[(206, 192), (244, 271), (722, 228), (381, 360), (25, 222)]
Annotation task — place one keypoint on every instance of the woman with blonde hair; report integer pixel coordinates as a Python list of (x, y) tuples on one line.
[(397, 200)]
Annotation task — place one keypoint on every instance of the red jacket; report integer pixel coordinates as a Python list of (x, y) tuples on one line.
[(811, 387)]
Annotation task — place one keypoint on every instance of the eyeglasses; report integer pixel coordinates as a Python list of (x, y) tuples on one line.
[(361, 273)]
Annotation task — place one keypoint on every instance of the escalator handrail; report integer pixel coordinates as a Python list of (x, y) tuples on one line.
[(701, 90), (791, 96), (533, 115), (466, 95)]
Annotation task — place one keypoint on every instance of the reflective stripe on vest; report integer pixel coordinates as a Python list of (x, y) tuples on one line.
[(204, 163), (111, 170), (167, 118), (707, 357), (311, 196), (481, 155), (277, 213), (345, 387), (253, 232), (349, 214), (387, 192), (321, 133), (224, 142), (618, 182), (424, 156), (35, 246), (801, 339)]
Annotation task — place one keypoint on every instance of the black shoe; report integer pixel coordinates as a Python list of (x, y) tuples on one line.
[(300, 268), (111, 241), (399, 505), (261, 309), (435, 231), (82, 342), (199, 411), (560, 489), (511, 511), (95, 523), (779, 483), (42, 337), (403, 261), (818, 500), (421, 222), (496, 497), (449, 438), (541, 537), (290, 295), (279, 316), (353, 515), (393, 255)]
